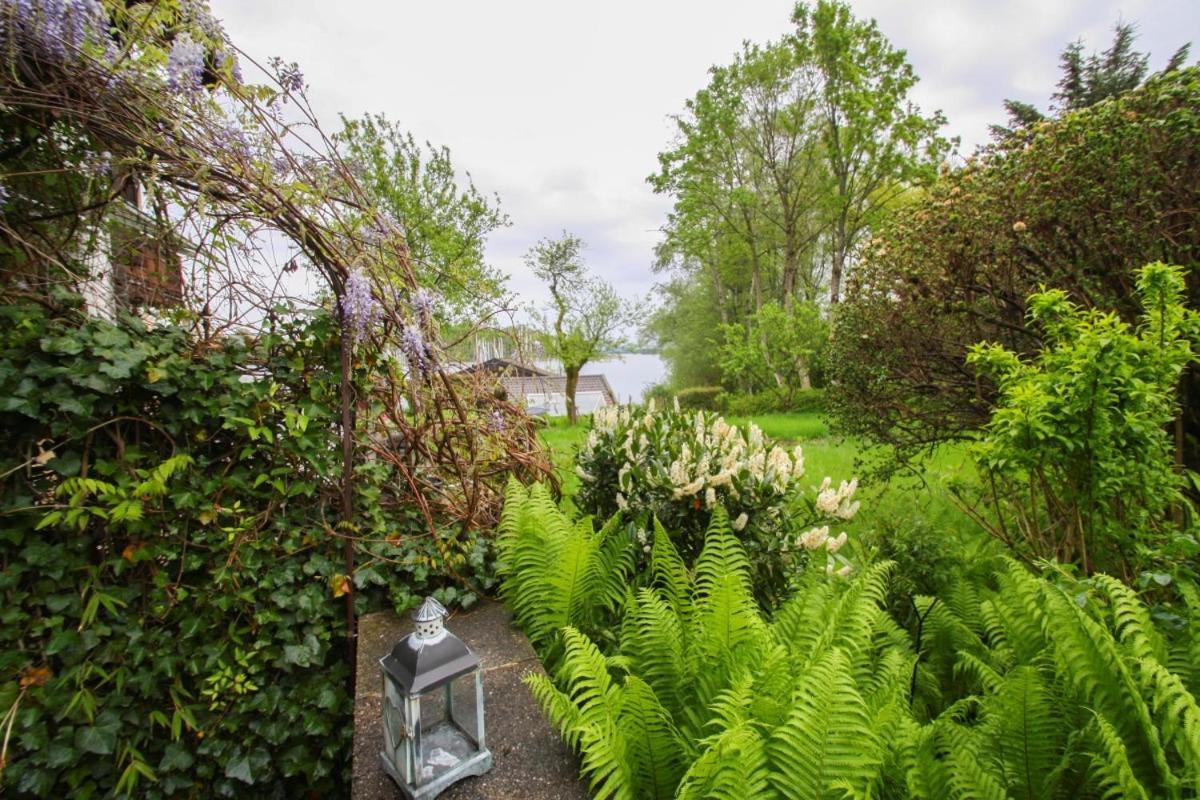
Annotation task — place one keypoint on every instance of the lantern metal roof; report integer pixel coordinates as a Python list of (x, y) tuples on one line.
[(420, 663), (429, 611)]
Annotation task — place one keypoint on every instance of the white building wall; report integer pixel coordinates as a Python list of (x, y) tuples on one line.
[(555, 403), (98, 290)]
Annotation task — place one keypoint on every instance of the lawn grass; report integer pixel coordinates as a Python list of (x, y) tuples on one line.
[(787, 428), (922, 497), (564, 440)]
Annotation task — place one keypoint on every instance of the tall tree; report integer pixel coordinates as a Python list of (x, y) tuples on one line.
[(876, 139), (446, 220), (585, 318), (1085, 81)]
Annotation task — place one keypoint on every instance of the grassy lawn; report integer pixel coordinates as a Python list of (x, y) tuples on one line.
[(922, 497), (787, 428)]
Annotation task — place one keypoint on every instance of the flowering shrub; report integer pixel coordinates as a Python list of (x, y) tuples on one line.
[(677, 466)]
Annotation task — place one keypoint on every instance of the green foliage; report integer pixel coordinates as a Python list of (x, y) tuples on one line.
[(1064, 688), (172, 624), (1076, 457), (558, 573), (1014, 686), (1087, 81), (703, 697), (696, 398), (1077, 207), (768, 402), (678, 466), (779, 166), (774, 348), (446, 221)]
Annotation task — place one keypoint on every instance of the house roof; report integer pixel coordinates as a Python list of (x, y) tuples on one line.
[(500, 366), (519, 386)]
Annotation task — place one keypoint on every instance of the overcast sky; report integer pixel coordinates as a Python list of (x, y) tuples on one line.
[(560, 106)]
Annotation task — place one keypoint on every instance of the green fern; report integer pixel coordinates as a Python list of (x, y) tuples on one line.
[(732, 766), (654, 643), (1026, 734), (1111, 764), (827, 742), (558, 573)]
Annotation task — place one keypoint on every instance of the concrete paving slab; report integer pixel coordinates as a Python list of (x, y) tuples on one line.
[(530, 762)]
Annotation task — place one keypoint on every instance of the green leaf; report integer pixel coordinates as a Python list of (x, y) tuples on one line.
[(98, 739), (239, 769)]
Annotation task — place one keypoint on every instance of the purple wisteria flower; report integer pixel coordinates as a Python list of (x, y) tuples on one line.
[(55, 29), (417, 350), (290, 78), (98, 165), (185, 65), (206, 23), (423, 305), (360, 311), (496, 423)]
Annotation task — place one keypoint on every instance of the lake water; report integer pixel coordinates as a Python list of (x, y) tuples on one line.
[(629, 375)]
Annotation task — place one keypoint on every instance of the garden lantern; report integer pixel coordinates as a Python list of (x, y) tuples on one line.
[(432, 708)]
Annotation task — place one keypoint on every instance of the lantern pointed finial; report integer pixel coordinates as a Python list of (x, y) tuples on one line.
[(429, 619)]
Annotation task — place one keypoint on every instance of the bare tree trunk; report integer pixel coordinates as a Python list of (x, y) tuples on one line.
[(572, 384)]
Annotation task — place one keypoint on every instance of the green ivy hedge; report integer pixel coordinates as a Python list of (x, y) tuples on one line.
[(170, 620)]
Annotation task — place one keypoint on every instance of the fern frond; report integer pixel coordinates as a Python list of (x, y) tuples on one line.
[(668, 572), (1177, 712), (592, 728), (1087, 657), (725, 614), (1026, 734), (652, 743), (1132, 620), (1017, 608), (925, 769), (733, 766), (853, 618), (653, 641), (969, 776), (1111, 767), (827, 741), (980, 671)]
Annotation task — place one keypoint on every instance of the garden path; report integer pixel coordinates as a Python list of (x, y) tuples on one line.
[(529, 761)]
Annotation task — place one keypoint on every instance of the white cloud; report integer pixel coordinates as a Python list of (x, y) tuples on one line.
[(561, 108)]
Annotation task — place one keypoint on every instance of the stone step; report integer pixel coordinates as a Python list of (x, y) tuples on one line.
[(529, 761)]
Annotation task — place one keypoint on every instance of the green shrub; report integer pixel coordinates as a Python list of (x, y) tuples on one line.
[(1075, 203), (677, 466), (172, 624), (772, 402), (699, 398), (1077, 458)]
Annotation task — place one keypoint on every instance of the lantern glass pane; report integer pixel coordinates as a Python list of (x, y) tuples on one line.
[(395, 737), (466, 711), (449, 736), (433, 709)]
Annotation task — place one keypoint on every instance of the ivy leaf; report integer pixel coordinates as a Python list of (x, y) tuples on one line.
[(177, 757), (67, 345), (98, 739), (239, 769)]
